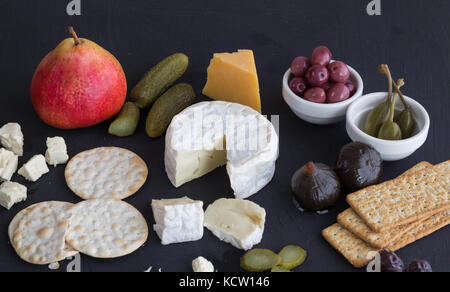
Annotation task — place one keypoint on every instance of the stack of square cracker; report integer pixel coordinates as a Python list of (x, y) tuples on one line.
[(393, 214)]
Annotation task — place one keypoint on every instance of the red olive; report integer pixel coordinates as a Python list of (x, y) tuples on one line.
[(315, 94), (321, 56)]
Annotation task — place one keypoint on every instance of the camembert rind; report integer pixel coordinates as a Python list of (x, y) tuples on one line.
[(235, 221), (209, 135)]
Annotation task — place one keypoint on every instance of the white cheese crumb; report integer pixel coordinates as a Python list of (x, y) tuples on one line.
[(34, 168), (11, 137), (54, 266), (202, 265), (12, 193), (56, 151), (8, 164)]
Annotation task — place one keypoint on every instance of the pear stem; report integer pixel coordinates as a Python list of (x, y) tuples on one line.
[(74, 35)]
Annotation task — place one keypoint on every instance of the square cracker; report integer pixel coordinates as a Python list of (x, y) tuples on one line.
[(356, 251), (423, 229), (404, 200), (359, 253), (352, 222)]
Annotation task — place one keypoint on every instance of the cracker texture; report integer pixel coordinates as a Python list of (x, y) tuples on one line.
[(106, 173), (106, 228), (359, 253), (68, 250), (422, 230), (39, 237), (352, 222), (356, 251), (404, 200)]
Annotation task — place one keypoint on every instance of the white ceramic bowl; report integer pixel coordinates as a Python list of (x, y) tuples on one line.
[(320, 113), (389, 150)]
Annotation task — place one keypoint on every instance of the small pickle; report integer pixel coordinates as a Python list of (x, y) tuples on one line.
[(278, 269), (126, 122), (171, 103), (260, 260), (292, 256), (159, 79)]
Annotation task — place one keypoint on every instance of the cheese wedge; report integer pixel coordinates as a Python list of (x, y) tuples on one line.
[(233, 78), (235, 221)]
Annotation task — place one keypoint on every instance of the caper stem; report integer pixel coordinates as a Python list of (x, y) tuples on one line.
[(384, 69), (397, 89), (391, 114)]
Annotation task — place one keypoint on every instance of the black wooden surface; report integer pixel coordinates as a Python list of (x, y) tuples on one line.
[(413, 37)]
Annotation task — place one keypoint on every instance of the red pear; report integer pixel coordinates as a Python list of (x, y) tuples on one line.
[(78, 84)]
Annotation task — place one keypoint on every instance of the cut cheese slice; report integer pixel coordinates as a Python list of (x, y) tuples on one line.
[(209, 135), (233, 77), (238, 222)]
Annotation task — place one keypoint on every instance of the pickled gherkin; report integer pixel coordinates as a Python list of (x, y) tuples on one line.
[(167, 106), (126, 122), (292, 256), (159, 79), (260, 260)]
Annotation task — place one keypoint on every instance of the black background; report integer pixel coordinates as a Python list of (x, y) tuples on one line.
[(413, 37)]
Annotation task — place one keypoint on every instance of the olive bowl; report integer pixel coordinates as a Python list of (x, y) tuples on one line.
[(321, 113), (389, 150)]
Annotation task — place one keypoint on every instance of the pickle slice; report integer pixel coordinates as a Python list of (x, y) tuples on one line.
[(292, 256), (260, 260), (278, 269)]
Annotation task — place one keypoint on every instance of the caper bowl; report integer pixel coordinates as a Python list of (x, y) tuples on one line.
[(389, 150)]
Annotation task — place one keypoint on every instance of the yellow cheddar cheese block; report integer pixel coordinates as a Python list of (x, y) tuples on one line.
[(233, 78)]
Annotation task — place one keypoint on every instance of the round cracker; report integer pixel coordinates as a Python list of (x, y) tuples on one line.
[(68, 250), (106, 228), (39, 237), (106, 173)]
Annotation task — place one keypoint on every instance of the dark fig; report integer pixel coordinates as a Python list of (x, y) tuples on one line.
[(359, 166), (316, 186)]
